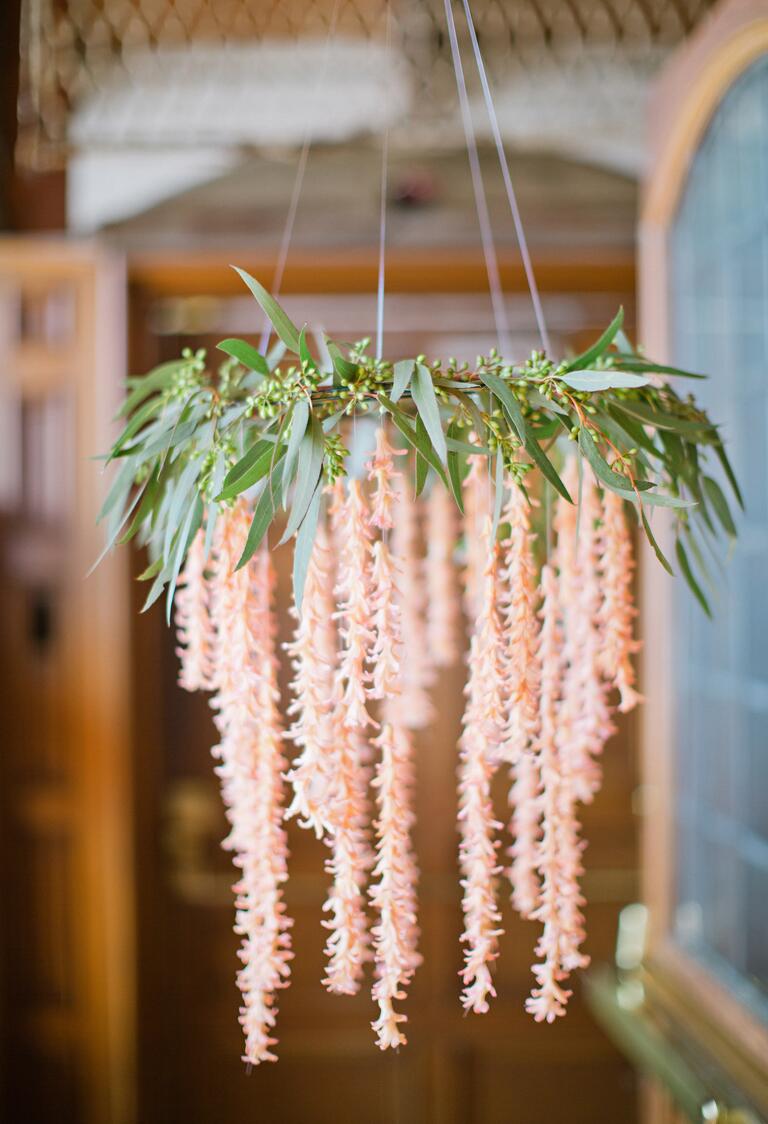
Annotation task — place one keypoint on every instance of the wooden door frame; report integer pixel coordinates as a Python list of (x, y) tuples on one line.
[(686, 98), (95, 808)]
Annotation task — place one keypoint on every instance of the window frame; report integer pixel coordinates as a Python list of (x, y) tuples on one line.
[(686, 98)]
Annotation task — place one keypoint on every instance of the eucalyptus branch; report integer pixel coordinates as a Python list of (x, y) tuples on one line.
[(199, 434)]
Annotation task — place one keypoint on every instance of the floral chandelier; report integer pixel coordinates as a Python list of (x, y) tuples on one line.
[(518, 477)]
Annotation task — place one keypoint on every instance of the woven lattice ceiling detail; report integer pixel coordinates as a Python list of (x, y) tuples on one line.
[(90, 56)]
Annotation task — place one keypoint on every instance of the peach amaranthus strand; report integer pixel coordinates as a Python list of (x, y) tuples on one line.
[(442, 599), (585, 716), (477, 506), (386, 650), (348, 946), (194, 627), (478, 753), (250, 768), (523, 679), (618, 611), (558, 849), (393, 891), (313, 652), (382, 473), (415, 707)]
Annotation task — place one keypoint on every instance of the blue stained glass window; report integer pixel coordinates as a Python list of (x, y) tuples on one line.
[(719, 294)]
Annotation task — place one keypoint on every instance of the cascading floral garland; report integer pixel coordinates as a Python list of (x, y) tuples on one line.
[(207, 462)]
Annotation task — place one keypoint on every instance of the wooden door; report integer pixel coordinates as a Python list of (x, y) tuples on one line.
[(455, 1070), (66, 957)]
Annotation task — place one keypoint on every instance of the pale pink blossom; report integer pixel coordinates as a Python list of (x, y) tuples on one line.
[(478, 752), (385, 653), (382, 473), (414, 706), (313, 652), (559, 851), (353, 592), (393, 891), (548, 1000), (519, 597), (348, 946), (443, 622), (585, 715), (194, 627), (476, 492), (618, 611), (250, 769)]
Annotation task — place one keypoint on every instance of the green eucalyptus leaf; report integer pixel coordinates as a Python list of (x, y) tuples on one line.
[(189, 529), (419, 441), (142, 415), (305, 540), (425, 399), (152, 570), (690, 577), (467, 402), (630, 362), (422, 466), (498, 500), (158, 379), (588, 357), (263, 515), (600, 466), (655, 499), (402, 372), (309, 468), (281, 322), (455, 475), (648, 416), (341, 366), (720, 504), (508, 401), (654, 544), (144, 509), (252, 467), (299, 422), (246, 354), (305, 354), (722, 456), (602, 380)]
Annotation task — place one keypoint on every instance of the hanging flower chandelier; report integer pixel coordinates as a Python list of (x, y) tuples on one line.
[(518, 478)]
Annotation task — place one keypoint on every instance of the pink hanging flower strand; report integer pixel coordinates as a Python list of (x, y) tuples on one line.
[(313, 653), (194, 627), (618, 612), (443, 616), (559, 852), (250, 769), (395, 875), (478, 755), (522, 671), (348, 946)]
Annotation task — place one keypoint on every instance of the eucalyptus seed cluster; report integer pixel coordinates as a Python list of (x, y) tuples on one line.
[(190, 376), (334, 456)]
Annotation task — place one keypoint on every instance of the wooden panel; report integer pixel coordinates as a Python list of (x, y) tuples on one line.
[(66, 956)]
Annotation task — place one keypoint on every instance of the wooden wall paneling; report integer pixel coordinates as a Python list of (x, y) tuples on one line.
[(67, 972)]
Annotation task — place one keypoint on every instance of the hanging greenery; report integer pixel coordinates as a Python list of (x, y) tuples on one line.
[(196, 438), (542, 459)]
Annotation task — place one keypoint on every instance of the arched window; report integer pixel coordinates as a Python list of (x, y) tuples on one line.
[(704, 304), (718, 282)]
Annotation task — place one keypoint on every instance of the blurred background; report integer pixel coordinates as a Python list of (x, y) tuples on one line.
[(144, 146)]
